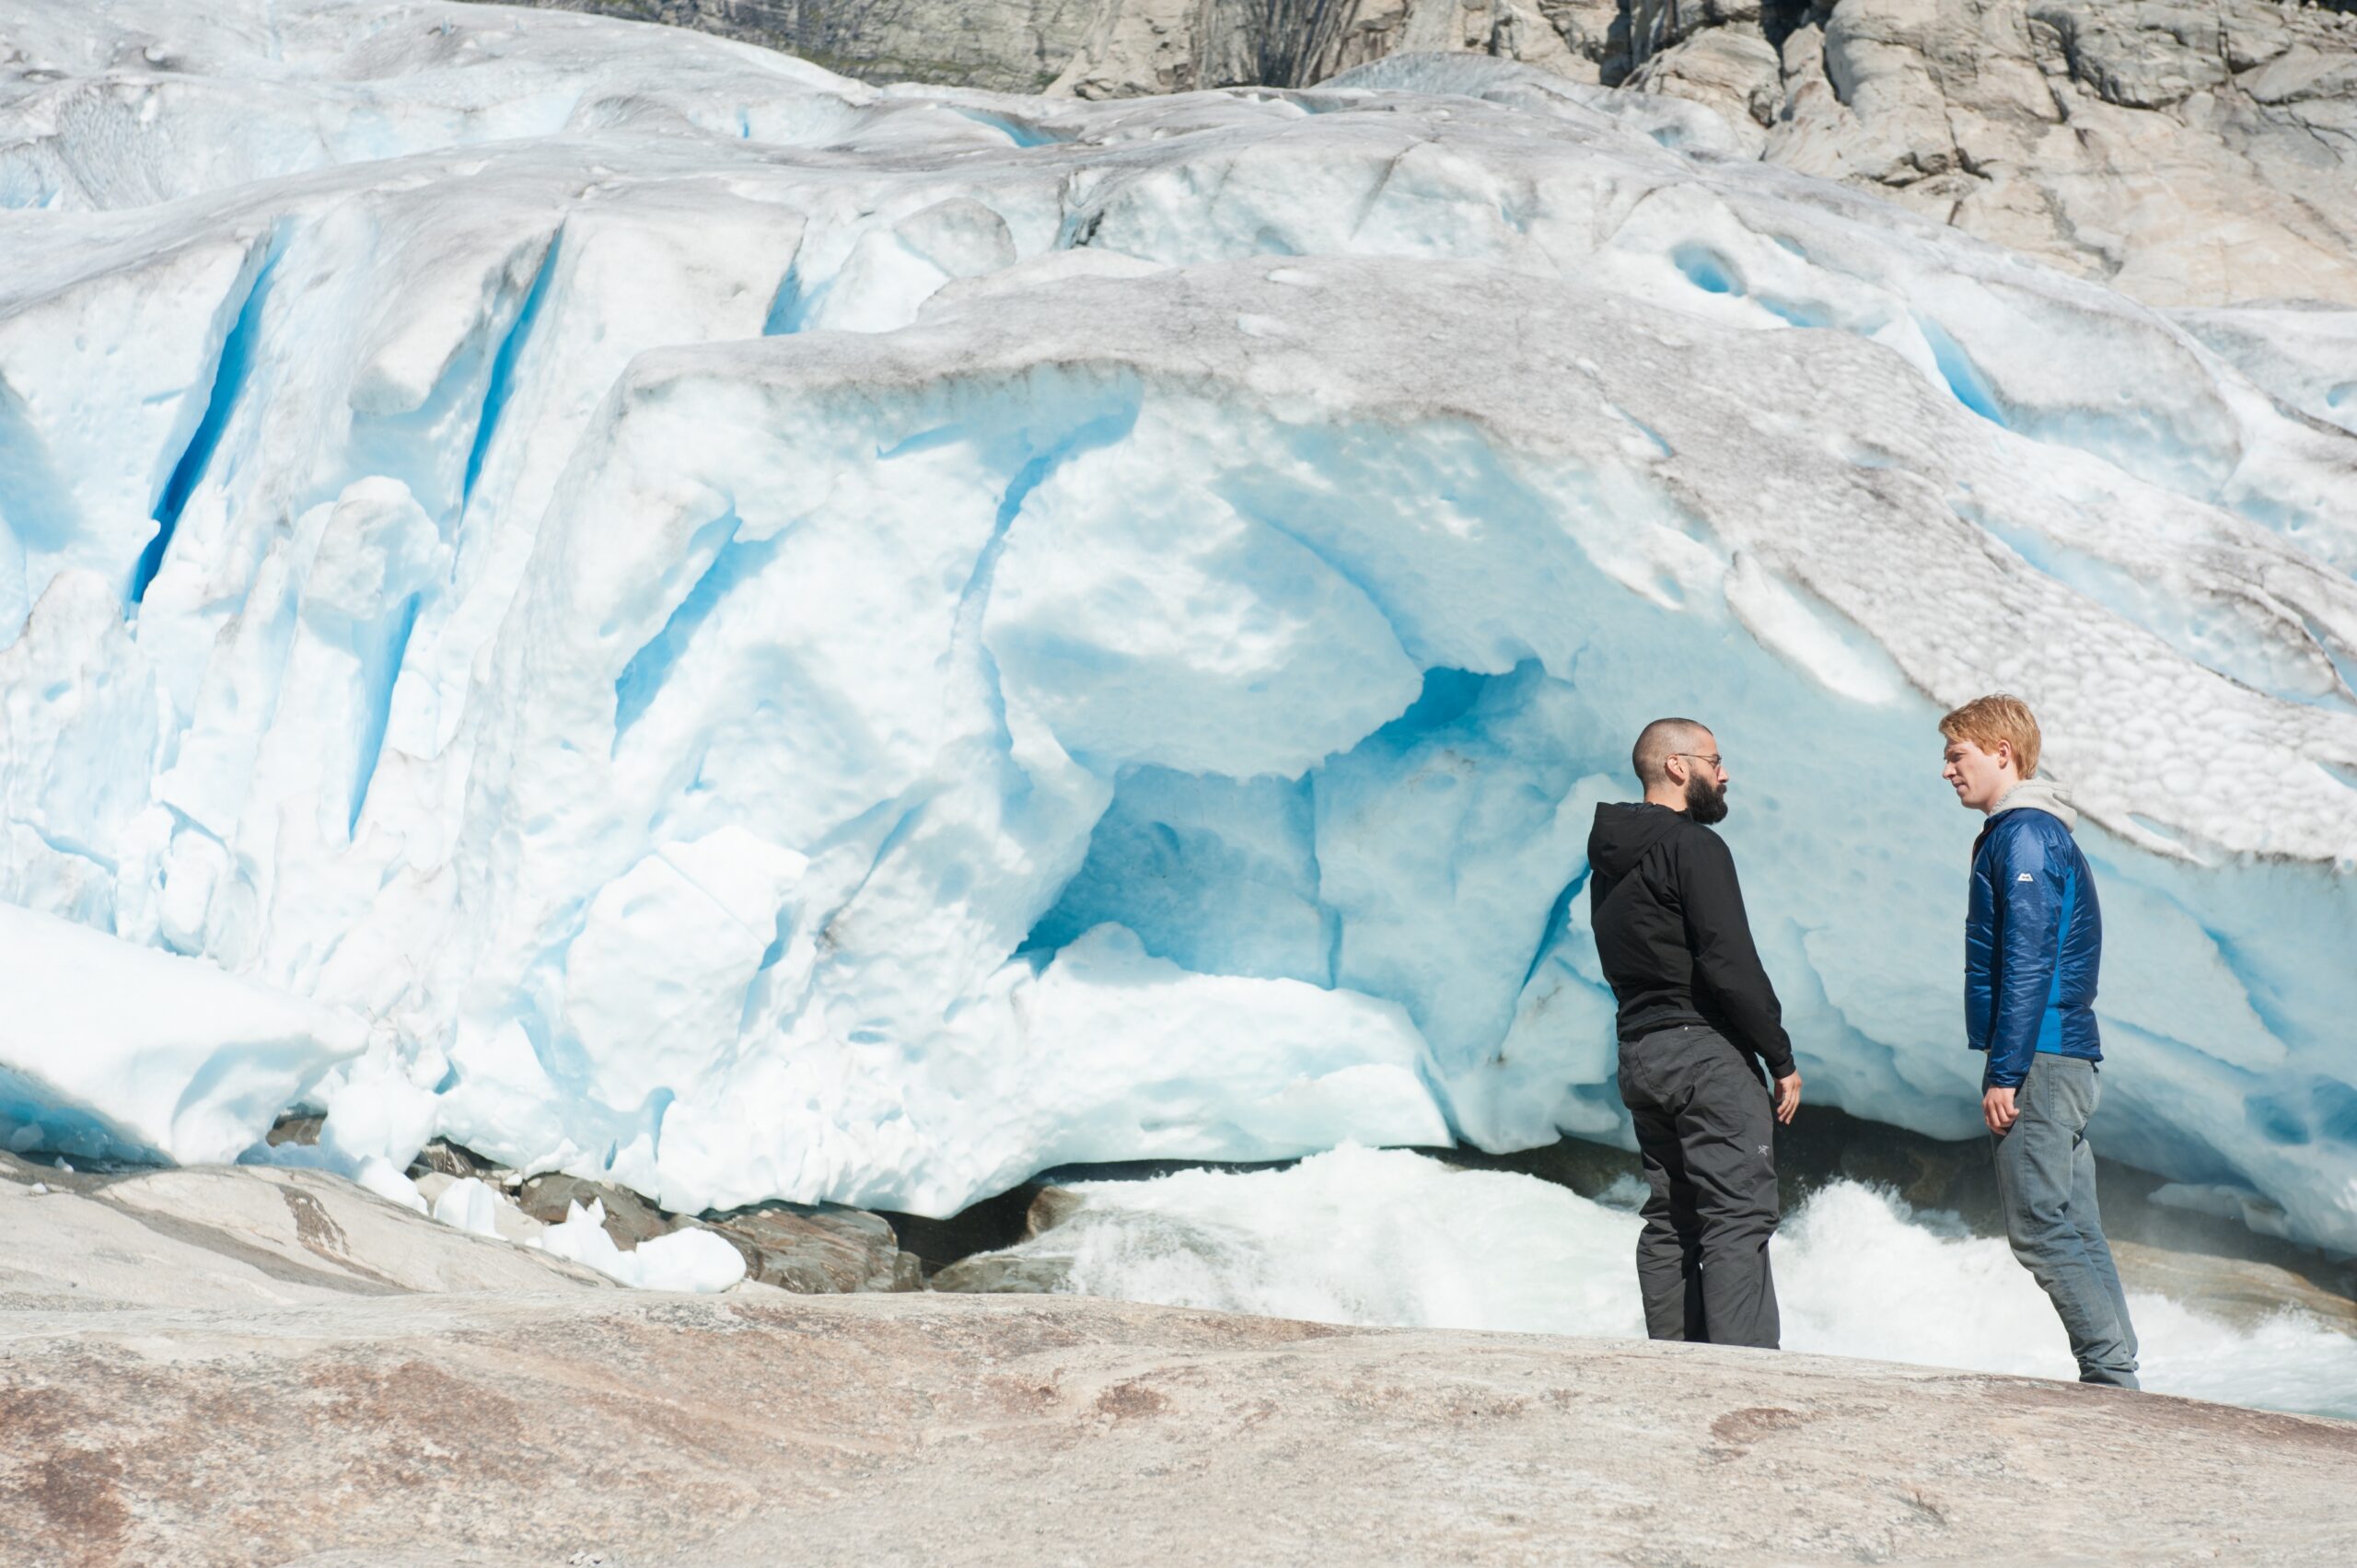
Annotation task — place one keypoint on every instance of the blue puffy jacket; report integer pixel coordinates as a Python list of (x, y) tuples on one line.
[(2033, 942)]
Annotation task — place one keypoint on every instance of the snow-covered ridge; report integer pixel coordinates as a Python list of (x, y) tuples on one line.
[(791, 640)]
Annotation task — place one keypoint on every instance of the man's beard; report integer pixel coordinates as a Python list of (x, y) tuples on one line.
[(1705, 802)]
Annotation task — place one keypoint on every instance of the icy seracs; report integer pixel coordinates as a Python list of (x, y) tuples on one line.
[(783, 639)]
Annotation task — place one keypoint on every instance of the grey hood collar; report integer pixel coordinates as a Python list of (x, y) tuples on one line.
[(2040, 795)]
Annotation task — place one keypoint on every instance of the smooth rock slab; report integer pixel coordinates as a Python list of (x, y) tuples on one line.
[(924, 1429), (234, 1238)]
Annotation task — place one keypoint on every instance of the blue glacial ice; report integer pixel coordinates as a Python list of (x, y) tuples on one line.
[(770, 638)]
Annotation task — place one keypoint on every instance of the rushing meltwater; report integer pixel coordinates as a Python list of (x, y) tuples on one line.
[(1389, 1237)]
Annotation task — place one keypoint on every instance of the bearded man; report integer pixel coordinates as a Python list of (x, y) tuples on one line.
[(1697, 1020)]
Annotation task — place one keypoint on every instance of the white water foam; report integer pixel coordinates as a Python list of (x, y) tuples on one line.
[(1393, 1238)]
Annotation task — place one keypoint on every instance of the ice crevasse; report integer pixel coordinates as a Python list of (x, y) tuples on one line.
[(771, 637)]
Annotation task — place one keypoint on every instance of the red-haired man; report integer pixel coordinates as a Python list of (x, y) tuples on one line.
[(2033, 943)]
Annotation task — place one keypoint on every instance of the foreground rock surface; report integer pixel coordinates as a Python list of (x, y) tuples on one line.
[(232, 1238), (424, 1401)]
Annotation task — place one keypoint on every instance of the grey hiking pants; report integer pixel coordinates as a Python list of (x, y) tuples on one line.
[(2046, 1178), (1706, 1129)]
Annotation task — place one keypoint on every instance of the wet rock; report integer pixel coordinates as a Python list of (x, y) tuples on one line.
[(298, 1127), (810, 1249), (999, 1272), (1005, 1274), (630, 1219), (985, 1226), (2239, 1290), (54, 1176), (819, 1251), (457, 1162)]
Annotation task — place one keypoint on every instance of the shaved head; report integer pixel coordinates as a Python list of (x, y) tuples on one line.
[(1661, 740)]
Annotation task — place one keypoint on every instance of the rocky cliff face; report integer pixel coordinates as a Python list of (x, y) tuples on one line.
[(2192, 152), (1127, 48), (1004, 45)]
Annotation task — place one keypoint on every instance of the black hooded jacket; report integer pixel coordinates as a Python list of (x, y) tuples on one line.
[(1671, 932)]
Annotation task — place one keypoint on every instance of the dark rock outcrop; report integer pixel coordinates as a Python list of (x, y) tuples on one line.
[(1019, 46), (630, 1219), (817, 1249), (1018, 1274), (808, 1248)]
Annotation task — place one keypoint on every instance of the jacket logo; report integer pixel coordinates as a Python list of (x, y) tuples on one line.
[(2024, 877)]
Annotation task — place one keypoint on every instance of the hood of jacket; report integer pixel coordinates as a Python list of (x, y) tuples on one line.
[(2039, 794), (1624, 833)]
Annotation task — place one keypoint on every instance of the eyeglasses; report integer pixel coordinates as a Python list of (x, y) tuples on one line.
[(1713, 759)]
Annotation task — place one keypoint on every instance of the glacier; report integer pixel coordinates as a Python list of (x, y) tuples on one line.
[(759, 637)]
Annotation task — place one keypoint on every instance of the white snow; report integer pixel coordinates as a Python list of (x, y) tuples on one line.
[(385, 1179), (471, 1205), (785, 640), (1393, 1238), (690, 1259), (111, 1050)]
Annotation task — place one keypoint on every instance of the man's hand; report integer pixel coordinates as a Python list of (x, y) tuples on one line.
[(1997, 1109), (1788, 1096)]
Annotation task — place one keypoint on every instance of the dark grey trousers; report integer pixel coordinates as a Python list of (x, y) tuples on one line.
[(1706, 1129)]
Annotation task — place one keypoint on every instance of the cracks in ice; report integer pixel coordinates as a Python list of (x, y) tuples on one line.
[(1079, 229), (649, 670), (65, 844), (1558, 918), (230, 372), (2257, 990), (1330, 919), (501, 385), (1660, 446), (1707, 270), (2343, 661), (1963, 378), (966, 637), (1022, 134), (421, 445), (789, 307), (380, 668), (2118, 589), (1252, 510), (657, 1106), (2307, 1109), (1712, 273)]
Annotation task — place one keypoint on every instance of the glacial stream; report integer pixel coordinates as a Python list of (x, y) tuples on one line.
[(1389, 1237)]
